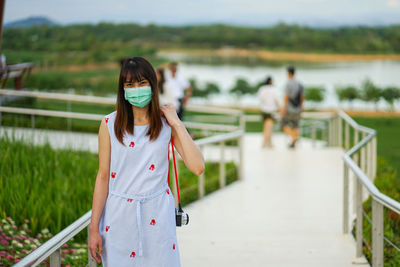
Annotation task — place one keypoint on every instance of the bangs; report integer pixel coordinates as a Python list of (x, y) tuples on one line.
[(133, 72)]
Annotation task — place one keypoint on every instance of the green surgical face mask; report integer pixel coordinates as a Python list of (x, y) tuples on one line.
[(138, 96)]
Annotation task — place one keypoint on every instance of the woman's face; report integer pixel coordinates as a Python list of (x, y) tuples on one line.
[(133, 84)]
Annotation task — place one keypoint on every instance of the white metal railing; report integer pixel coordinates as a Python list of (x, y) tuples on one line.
[(361, 161), (51, 248)]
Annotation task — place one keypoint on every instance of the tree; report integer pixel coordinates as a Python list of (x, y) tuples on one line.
[(242, 87), (370, 92), (212, 88), (391, 94), (315, 94), (196, 91), (348, 93)]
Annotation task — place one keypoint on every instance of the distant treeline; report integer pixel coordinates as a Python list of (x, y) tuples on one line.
[(111, 37)]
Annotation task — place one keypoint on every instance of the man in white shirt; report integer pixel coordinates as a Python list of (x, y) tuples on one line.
[(180, 87)]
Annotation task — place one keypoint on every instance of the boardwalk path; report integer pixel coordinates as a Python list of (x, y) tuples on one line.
[(287, 212)]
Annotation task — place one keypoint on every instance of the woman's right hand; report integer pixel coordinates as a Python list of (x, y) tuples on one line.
[(95, 242)]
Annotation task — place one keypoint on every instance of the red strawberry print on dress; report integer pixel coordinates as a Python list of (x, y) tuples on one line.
[(107, 227), (153, 222), (129, 200), (106, 120), (151, 167), (167, 191), (173, 246), (132, 144), (133, 254), (113, 174)]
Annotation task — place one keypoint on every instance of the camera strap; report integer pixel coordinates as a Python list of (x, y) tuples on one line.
[(176, 174)]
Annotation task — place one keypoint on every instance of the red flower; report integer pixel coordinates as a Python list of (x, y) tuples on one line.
[(132, 144), (133, 254), (173, 246), (107, 227), (113, 174), (167, 191), (106, 120), (153, 222), (151, 167)]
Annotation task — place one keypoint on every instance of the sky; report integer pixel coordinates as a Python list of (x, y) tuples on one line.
[(317, 13)]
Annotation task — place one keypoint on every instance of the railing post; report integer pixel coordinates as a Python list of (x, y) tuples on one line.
[(33, 121), (374, 158), (369, 160), (55, 259), (91, 261), (346, 136), (222, 180), (70, 91), (201, 180), (363, 159), (313, 134), (355, 159), (331, 132), (1, 114), (241, 145), (345, 199), (339, 131), (359, 218), (377, 234)]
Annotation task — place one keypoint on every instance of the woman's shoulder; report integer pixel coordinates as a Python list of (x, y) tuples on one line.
[(111, 115), (165, 122)]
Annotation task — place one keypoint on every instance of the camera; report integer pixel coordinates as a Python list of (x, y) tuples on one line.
[(182, 218)]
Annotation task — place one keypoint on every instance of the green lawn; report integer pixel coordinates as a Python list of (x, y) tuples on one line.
[(388, 133)]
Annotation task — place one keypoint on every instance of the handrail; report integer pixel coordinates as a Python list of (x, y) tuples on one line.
[(60, 96), (367, 168), (97, 117), (51, 245), (359, 145), (372, 189), (107, 100)]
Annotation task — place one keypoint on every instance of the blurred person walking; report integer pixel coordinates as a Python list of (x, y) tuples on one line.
[(166, 95), (181, 88), (269, 105), (292, 107)]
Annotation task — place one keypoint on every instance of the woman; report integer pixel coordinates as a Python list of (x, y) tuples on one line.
[(133, 213), (269, 105)]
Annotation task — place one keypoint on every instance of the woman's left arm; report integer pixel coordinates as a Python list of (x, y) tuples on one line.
[(183, 142)]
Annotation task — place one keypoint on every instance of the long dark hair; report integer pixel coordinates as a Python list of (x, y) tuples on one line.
[(161, 81), (136, 69), (268, 80)]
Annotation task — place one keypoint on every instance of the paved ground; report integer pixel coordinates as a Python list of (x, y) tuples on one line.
[(287, 212)]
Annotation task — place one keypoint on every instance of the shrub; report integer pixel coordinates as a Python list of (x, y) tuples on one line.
[(391, 94), (315, 94), (348, 93)]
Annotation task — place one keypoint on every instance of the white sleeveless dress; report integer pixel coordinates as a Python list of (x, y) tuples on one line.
[(138, 225)]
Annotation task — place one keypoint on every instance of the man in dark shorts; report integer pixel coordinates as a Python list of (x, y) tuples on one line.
[(292, 107)]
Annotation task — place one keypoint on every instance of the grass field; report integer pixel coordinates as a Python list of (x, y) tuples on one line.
[(388, 132)]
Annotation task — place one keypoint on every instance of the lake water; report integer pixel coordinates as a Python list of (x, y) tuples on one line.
[(326, 75)]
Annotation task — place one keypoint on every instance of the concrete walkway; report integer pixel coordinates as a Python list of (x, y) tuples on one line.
[(286, 212)]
